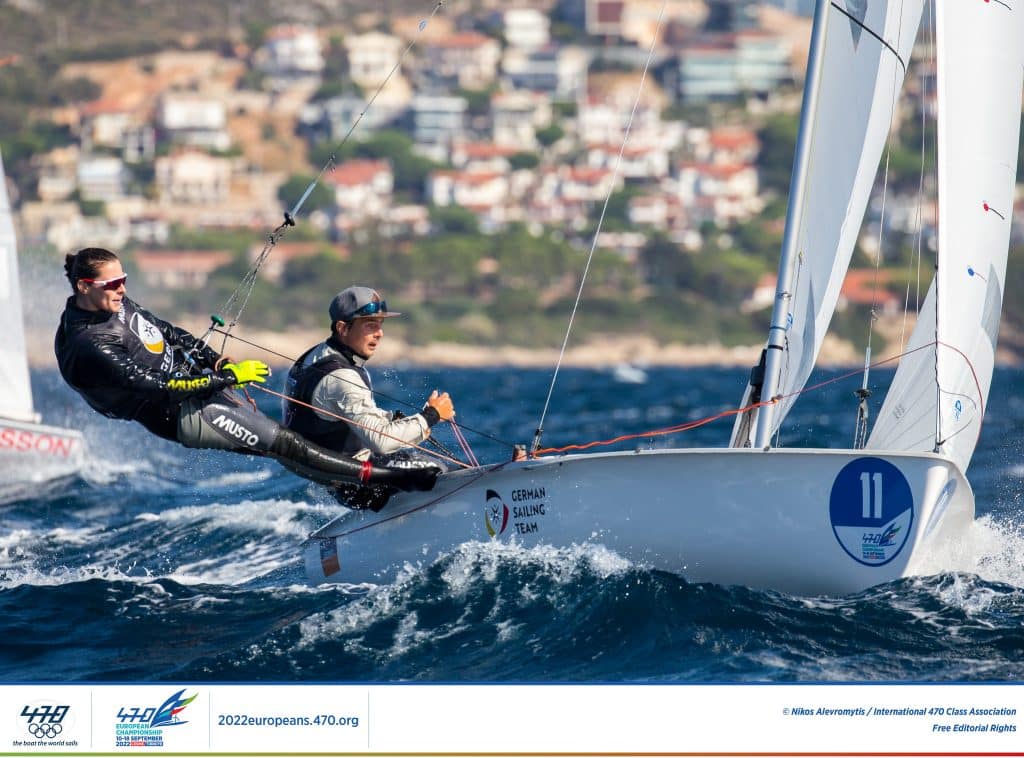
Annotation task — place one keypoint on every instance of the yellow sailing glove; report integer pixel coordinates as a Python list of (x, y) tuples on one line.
[(248, 371)]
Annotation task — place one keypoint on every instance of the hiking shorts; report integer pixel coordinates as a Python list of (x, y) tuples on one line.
[(224, 422)]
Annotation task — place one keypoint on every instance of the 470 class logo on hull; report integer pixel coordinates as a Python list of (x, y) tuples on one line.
[(872, 510)]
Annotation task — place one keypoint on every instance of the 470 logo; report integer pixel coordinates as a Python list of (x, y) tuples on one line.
[(44, 721), (166, 715), (143, 726)]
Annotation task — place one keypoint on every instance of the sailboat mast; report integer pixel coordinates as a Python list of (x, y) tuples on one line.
[(794, 215)]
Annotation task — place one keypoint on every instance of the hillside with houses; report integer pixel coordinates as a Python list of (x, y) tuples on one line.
[(461, 160)]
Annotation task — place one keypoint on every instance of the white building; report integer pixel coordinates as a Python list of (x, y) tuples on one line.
[(468, 189), (192, 177), (194, 120), (640, 162), (466, 59), (560, 71), (516, 117), (728, 191), (526, 28), (728, 65), (58, 173), (101, 177), (292, 50), (362, 188), (438, 119), (371, 57), (103, 122)]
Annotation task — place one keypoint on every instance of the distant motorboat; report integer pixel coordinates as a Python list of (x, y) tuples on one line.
[(31, 453), (629, 373)]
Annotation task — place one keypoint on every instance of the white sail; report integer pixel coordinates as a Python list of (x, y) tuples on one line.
[(907, 420), (15, 391), (980, 77), (865, 52)]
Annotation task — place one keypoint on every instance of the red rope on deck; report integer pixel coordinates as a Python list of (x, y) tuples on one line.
[(708, 419)]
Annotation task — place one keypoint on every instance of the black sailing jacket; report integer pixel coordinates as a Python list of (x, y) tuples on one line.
[(132, 365)]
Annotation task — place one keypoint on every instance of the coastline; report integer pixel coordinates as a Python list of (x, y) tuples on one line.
[(278, 349)]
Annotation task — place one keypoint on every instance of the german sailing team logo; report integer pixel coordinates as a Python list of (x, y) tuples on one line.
[(872, 510), (149, 334), (495, 514), (143, 726)]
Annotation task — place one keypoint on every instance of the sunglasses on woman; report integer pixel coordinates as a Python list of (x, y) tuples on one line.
[(107, 284)]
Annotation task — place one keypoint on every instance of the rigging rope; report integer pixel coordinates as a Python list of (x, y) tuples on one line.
[(244, 289), (376, 393), (597, 231), (350, 422), (687, 426)]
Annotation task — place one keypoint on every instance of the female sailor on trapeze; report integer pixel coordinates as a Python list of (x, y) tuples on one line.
[(129, 364)]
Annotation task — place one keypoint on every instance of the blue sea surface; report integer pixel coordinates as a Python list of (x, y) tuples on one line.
[(161, 563)]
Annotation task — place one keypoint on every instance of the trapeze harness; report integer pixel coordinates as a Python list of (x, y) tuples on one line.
[(300, 385)]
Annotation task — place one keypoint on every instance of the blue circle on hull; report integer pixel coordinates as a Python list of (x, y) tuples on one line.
[(872, 510)]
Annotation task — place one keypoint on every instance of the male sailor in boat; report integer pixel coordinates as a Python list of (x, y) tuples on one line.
[(129, 364), (336, 406)]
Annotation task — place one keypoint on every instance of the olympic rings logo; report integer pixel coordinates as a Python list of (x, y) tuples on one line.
[(44, 731)]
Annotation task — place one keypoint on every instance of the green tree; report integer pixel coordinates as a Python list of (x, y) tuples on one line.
[(778, 144), (524, 160), (616, 215), (478, 101), (454, 219), (320, 199), (549, 135)]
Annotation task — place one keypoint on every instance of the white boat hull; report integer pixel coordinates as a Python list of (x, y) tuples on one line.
[(797, 521), (31, 454)]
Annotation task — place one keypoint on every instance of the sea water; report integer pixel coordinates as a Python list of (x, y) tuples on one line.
[(161, 563)]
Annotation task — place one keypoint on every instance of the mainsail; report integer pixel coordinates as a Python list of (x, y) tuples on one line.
[(16, 397), (865, 50), (938, 397)]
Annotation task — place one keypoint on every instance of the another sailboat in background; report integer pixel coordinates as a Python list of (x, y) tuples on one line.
[(802, 521), (30, 452)]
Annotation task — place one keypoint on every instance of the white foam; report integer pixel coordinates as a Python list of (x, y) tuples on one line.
[(237, 478), (27, 574), (992, 549), (272, 516), (376, 603), (16, 544), (253, 560), (468, 564), (106, 469)]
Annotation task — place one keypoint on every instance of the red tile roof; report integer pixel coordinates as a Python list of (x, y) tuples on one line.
[(354, 173), (201, 261)]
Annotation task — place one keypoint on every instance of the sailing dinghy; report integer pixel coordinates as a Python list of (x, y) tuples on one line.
[(800, 521), (30, 452)]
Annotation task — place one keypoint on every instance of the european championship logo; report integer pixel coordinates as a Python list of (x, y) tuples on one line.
[(143, 726)]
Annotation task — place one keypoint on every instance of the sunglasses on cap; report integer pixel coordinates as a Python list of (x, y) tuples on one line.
[(370, 309), (107, 284)]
